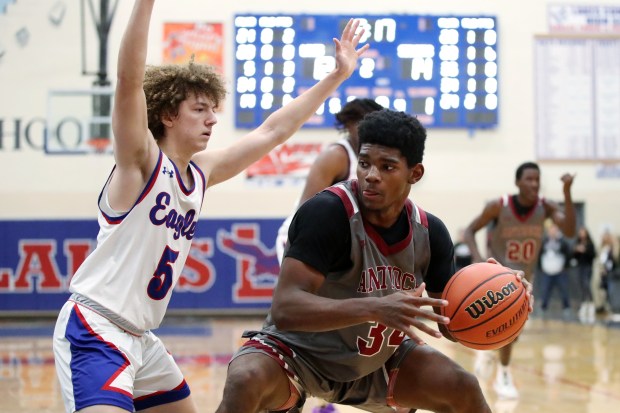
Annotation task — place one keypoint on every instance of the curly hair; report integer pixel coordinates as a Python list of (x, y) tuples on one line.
[(354, 111), (394, 130), (167, 86)]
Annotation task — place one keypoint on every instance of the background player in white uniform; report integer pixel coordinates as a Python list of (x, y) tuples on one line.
[(335, 163), (106, 357), (346, 311), (515, 241)]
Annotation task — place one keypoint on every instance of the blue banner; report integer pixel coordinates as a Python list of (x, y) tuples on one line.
[(232, 266)]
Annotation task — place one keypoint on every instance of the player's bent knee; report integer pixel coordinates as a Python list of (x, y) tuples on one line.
[(253, 374), (469, 393)]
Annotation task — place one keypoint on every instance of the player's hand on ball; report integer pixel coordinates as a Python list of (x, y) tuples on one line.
[(402, 311), (529, 289)]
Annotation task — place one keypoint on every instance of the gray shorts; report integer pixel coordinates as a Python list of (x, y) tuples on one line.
[(372, 393)]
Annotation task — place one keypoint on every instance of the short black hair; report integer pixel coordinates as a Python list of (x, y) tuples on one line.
[(354, 111), (394, 130), (523, 167)]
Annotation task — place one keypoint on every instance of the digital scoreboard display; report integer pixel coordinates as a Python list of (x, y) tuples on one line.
[(443, 69)]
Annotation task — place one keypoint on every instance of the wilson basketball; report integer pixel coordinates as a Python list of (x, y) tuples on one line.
[(487, 306)]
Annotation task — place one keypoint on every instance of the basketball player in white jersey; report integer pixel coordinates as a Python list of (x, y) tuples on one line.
[(107, 358), (337, 162), (515, 241), (348, 306)]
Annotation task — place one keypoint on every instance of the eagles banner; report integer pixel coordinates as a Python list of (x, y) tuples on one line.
[(232, 266)]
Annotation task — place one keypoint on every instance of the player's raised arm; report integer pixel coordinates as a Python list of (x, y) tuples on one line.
[(222, 164), (129, 117), (566, 219)]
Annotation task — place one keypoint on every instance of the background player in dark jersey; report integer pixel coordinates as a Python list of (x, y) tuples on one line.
[(348, 305), (515, 241)]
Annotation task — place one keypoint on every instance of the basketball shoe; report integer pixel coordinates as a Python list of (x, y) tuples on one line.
[(504, 386), (483, 366), (325, 408)]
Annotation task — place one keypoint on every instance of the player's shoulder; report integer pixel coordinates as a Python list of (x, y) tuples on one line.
[(324, 201), (335, 150), (431, 221), (435, 224), (324, 207), (494, 205)]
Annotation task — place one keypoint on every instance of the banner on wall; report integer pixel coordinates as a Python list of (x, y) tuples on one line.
[(288, 163), (202, 40), (584, 19), (232, 266)]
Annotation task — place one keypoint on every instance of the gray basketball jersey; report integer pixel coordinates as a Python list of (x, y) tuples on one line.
[(378, 270), (515, 240)]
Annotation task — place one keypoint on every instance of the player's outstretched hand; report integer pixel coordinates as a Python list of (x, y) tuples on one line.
[(567, 179), (402, 311), (521, 277), (347, 52)]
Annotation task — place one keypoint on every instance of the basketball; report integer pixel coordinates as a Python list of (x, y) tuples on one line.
[(487, 306)]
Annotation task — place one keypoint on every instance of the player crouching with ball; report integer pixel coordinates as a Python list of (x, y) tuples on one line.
[(349, 303)]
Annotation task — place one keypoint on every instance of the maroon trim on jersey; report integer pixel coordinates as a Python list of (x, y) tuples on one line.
[(383, 247), (346, 202), (393, 374), (423, 217), (525, 217), (275, 355), (372, 233)]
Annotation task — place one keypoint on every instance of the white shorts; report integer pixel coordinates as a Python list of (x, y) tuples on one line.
[(99, 363)]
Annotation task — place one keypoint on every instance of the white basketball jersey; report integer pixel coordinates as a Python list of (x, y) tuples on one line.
[(352, 158), (140, 253)]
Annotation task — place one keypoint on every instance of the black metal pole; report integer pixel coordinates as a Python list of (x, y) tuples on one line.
[(102, 103)]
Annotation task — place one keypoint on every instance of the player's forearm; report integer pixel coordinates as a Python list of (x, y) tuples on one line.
[(314, 314), (288, 119), (570, 216), (133, 50), (470, 239)]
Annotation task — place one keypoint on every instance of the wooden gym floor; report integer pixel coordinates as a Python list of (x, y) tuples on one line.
[(559, 367)]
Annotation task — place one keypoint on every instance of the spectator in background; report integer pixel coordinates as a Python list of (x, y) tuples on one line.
[(584, 254), (607, 262), (554, 257)]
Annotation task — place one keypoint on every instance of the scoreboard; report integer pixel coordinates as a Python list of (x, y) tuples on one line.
[(443, 69)]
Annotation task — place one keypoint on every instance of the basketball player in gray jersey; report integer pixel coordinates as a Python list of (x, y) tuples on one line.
[(515, 240), (348, 306)]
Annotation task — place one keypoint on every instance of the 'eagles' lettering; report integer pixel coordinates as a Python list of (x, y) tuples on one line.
[(183, 225)]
